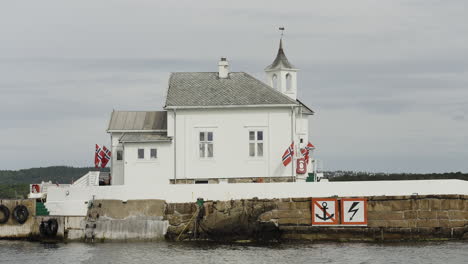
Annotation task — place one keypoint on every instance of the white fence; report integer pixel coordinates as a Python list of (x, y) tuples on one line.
[(89, 179), (73, 200)]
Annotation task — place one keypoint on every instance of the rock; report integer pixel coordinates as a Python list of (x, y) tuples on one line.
[(229, 221)]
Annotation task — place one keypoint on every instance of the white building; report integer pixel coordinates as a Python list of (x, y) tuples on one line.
[(216, 127)]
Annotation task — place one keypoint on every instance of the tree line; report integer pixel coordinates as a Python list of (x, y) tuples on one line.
[(15, 183)]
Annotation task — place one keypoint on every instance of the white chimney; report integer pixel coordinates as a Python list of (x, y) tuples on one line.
[(223, 68)]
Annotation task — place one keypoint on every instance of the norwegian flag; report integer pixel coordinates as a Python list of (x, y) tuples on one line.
[(97, 156), (310, 146), (306, 151), (105, 156), (305, 154), (288, 155)]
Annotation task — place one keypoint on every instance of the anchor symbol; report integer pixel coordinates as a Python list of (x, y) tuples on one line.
[(324, 209)]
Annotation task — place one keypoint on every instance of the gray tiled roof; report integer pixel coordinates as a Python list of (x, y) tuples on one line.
[(144, 137), (207, 89), (280, 62), (138, 121)]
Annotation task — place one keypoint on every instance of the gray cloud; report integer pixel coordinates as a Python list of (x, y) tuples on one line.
[(388, 79)]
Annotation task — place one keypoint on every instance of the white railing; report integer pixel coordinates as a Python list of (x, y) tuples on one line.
[(89, 179)]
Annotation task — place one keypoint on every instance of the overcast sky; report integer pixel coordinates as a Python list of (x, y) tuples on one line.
[(388, 79)]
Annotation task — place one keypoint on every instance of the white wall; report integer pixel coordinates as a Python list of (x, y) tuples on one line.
[(170, 123), (148, 171), (231, 142), (117, 166), (281, 82), (231, 146), (303, 132), (59, 203)]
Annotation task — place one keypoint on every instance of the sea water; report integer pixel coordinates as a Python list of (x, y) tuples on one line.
[(191, 252)]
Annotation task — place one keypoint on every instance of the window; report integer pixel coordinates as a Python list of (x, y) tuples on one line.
[(141, 153), (153, 153), (288, 82), (119, 155), (274, 81), (206, 144), (256, 143)]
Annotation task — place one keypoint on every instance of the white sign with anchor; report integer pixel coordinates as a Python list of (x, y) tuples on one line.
[(324, 211)]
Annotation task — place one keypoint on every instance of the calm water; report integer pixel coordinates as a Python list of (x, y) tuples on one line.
[(174, 253)]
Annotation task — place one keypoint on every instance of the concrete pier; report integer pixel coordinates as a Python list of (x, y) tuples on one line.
[(134, 220), (14, 230)]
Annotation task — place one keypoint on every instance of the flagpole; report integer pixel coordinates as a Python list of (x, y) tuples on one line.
[(292, 139)]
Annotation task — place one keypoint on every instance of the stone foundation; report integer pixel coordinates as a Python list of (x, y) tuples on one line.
[(389, 218)]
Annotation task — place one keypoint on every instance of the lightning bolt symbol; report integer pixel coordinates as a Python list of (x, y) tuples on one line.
[(352, 210)]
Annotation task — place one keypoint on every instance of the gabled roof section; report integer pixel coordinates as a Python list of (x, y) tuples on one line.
[(206, 89), (127, 121), (305, 109), (144, 137), (280, 62)]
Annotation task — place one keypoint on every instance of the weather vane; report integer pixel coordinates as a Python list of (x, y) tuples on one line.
[(282, 31)]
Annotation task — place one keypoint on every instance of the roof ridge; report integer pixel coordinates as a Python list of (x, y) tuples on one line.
[(200, 89), (271, 88)]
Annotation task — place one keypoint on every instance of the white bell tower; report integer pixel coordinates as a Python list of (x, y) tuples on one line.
[(282, 75)]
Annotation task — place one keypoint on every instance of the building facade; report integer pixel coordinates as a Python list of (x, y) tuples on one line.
[(216, 127)]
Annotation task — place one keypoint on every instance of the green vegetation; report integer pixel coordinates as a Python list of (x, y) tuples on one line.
[(364, 176), (56, 174), (15, 184), (13, 191)]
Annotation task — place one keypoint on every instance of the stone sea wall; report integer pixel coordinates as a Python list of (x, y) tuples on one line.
[(389, 218), (429, 217)]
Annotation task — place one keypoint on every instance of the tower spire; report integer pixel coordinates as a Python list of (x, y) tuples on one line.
[(281, 74), (281, 38), (281, 61)]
